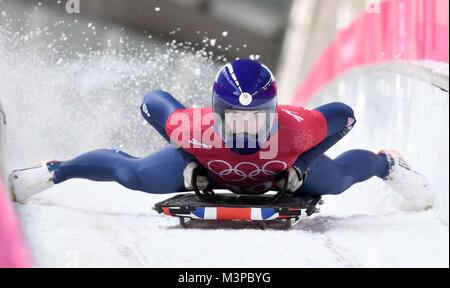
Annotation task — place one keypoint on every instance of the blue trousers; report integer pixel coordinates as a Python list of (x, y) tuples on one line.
[(162, 172)]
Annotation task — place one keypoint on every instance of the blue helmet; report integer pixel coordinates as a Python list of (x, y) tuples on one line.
[(246, 86)]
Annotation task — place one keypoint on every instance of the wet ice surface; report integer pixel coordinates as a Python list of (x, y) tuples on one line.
[(70, 85)]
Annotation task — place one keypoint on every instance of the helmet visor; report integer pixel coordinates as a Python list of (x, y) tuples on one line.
[(250, 122), (255, 122)]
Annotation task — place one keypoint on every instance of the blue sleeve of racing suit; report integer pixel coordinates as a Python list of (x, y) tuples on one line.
[(156, 108), (340, 120)]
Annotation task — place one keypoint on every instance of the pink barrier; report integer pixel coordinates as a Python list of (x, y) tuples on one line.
[(404, 30), (12, 249)]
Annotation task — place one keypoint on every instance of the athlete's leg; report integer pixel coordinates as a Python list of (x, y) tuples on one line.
[(159, 173), (149, 174), (328, 176)]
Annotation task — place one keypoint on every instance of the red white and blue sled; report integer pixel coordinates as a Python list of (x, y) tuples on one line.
[(209, 206), (232, 207)]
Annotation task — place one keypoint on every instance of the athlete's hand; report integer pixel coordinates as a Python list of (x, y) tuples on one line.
[(201, 179), (295, 180)]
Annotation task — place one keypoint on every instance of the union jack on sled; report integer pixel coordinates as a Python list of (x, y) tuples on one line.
[(207, 205), (231, 207)]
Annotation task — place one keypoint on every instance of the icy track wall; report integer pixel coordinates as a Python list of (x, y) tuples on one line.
[(2, 137), (12, 251), (391, 66)]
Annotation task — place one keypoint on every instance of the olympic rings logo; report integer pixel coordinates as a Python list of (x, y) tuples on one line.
[(240, 172)]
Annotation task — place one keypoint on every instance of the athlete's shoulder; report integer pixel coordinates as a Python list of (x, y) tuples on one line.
[(301, 129), (297, 117)]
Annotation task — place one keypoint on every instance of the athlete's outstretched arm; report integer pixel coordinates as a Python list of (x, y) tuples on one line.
[(340, 120), (156, 108)]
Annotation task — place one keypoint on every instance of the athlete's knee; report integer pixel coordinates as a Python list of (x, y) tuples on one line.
[(127, 177), (158, 105)]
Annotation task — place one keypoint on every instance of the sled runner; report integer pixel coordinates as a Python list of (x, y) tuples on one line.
[(232, 207)]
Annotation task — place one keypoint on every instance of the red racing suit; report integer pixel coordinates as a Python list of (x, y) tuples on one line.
[(298, 130)]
